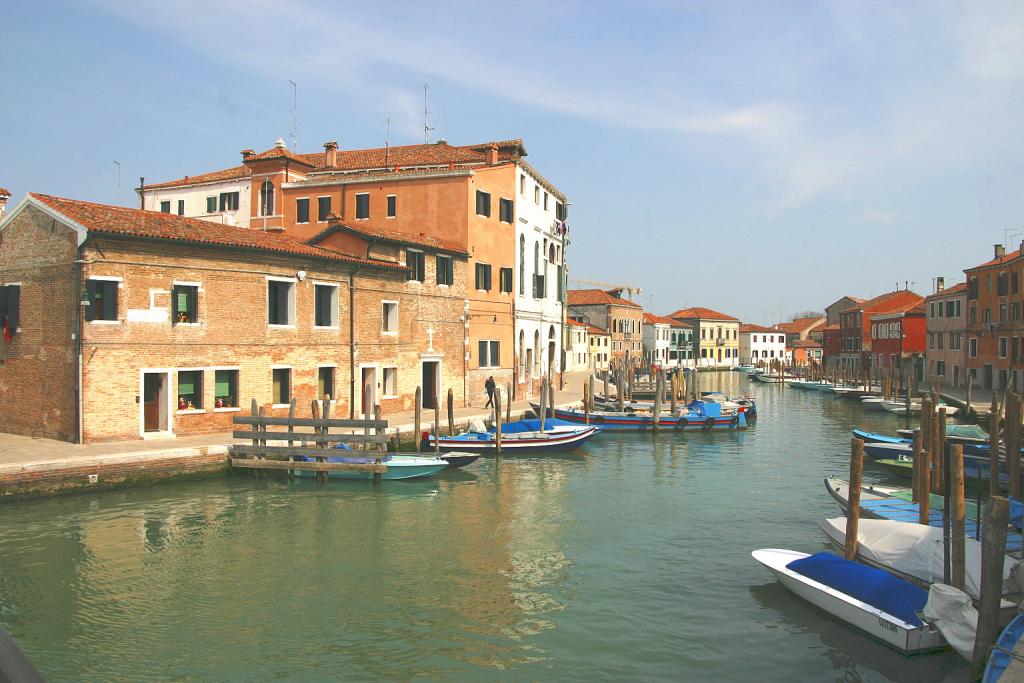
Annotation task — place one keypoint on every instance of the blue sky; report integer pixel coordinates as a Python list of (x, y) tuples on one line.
[(750, 157)]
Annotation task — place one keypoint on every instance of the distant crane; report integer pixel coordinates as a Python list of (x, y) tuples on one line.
[(629, 288)]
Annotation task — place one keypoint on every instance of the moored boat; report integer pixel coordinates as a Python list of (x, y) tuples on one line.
[(869, 599), (399, 466), (696, 416), (518, 436), (1006, 661)]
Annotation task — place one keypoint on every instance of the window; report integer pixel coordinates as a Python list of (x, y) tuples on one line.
[(505, 280), (539, 287), (954, 340), (972, 347), (1002, 347), (545, 201), (940, 368), (280, 302), (488, 352), (102, 296), (190, 390), (225, 388), (560, 212), (181, 207), (536, 194), (390, 381), (505, 210), (363, 205), (282, 386), (416, 264), (952, 308), (1002, 284), (185, 299), (266, 198), (986, 315), (302, 210), (939, 340), (392, 206), (325, 305), (323, 208), (522, 184), (972, 288), (165, 207), (229, 200), (483, 276), (1002, 313), (483, 203), (211, 205), (325, 382), (444, 269), (972, 314), (10, 305), (389, 317)]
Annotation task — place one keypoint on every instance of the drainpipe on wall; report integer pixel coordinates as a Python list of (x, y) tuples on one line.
[(352, 345), (79, 412)]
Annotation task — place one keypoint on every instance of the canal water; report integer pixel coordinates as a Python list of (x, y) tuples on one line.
[(630, 561)]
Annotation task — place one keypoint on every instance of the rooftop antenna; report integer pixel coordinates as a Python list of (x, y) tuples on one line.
[(387, 140), (295, 114), (117, 197), (1007, 234), (426, 126)]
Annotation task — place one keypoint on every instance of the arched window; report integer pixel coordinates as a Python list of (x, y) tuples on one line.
[(551, 253), (522, 266), (267, 198)]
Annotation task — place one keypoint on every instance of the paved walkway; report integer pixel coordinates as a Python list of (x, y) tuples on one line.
[(21, 452), (981, 399)]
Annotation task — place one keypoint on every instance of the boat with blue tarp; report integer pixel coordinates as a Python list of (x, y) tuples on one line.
[(398, 466), (518, 436), (869, 599), (697, 415)]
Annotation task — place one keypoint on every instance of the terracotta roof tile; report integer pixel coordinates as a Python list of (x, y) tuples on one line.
[(651, 319), (701, 313), (575, 323), (909, 307), (393, 236), (4, 192), (597, 297), (1009, 256), (119, 220), (800, 325), (757, 328), (372, 159), (804, 344), (953, 289), (594, 329), (212, 177)]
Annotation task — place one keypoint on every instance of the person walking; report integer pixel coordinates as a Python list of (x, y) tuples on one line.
[(489, 385)]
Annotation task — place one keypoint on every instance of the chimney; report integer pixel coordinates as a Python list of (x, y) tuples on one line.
[(142, 192), (246, 153), (3, 202), (1000, 251), (940, 284), (491, 155), (331, 154)]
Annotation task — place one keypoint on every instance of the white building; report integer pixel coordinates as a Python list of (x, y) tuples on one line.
[(576, 352), (540, 257), (223, 196), (761, 345), (658, 340), (599, 346)]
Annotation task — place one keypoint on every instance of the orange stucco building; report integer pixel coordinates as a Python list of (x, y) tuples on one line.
[(457, 198)]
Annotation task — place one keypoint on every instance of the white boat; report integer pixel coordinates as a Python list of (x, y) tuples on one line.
[(820, 385), (772, 379), (912, 552), (907, 632), (873, 403), (900, 407)]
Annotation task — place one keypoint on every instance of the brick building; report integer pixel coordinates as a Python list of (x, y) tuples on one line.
[(994, 329), (134, 323), (804, 352), (802, 328), (855, 325), (831, 345), (898, 339), (946, 310), (622, 318)]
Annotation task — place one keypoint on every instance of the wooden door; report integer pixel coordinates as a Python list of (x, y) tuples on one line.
[(152, 388)]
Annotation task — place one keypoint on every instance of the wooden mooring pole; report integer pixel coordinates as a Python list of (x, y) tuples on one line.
[(1013, 442), (586, 403), (417, 420), (993, 449), (853, 498), (497, 421), (437, 424), (659, 397), (919, 467), (993, 554), (508, 402), (451, 412), (958, 542), (381, 431), (543, 402)]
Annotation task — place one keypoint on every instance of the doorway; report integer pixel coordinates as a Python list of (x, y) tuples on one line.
[(429, 384), (368, 390), (154, 402)]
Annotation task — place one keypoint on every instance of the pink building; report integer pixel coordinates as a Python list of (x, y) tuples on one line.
[(946, 310)]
